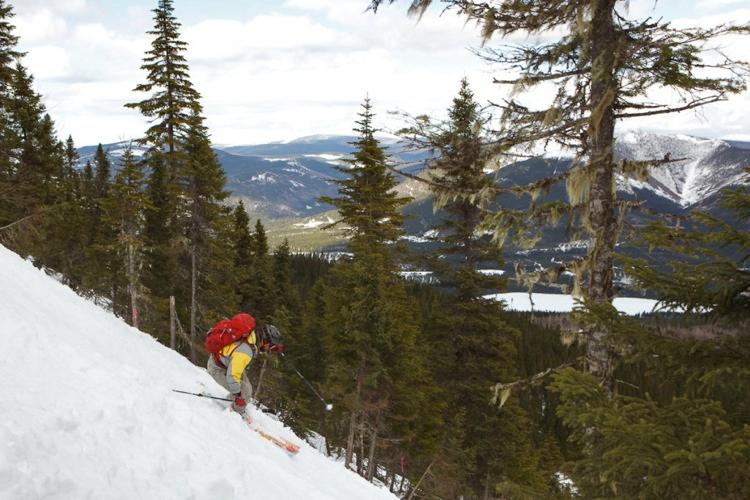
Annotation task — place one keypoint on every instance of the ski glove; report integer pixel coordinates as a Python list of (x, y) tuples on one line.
[(239, 404)]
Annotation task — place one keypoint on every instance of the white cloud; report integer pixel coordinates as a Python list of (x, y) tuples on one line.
[(301, 69), (40, 26), (48, 62), (59, 6)]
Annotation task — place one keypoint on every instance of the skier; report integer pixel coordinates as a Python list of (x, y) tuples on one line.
[(233, 344)]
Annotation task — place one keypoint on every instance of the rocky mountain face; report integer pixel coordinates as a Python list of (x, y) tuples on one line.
[(708, 166)]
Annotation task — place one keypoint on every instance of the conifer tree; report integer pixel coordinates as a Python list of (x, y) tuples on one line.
[(203, 181), (372, 362), (187, 228), (173, 99), (125, 213), (603, 66), (8, 42), (8, 57), (65, 225), (243, 254), (479, 344), (261, 292), (162, 237)]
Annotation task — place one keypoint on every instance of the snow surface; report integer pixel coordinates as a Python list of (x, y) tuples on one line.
[(314, 223), (550, 302), (88, 412)]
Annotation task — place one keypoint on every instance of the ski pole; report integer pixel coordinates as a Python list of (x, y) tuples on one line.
[(201, 395), (329, 406)]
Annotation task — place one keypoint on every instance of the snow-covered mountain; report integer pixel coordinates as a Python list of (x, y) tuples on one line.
[(281, 179), (284, 179), (88, 412), (708, 166)]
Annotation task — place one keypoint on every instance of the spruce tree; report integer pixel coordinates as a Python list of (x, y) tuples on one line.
[(203, 181), (479, 345), (65, 225), (8, 57), (173, 99), (162, 237), (603, 66), (125, 213), (188, 230), (243, 255), (373, 365), (261, 292)]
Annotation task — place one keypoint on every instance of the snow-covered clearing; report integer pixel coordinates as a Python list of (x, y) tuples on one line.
[(550, 302), (88, 412)]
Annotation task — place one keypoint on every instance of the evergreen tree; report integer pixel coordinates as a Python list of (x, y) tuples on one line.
[(125, 213), (243, 254), (188, 231), (162, 245), (261, 292), (65, 225), (479, 346), (203, 181), (173, 99), (603, 65), (373, 365), (284, 292), (8, 53), (8, 140)]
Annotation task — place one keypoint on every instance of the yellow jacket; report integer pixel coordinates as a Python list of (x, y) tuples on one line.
[(236, 357)]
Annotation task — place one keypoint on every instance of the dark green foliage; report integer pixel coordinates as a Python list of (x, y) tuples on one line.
[(260, 291), (173, 100), (639, 448), (373, 365), (243, 254), (475, 345), (125, 210), (682, 429)]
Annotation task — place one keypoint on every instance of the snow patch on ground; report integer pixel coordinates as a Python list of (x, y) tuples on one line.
[(425, 237), (88, 412), (314, 223), (326, 157), (550, 302)]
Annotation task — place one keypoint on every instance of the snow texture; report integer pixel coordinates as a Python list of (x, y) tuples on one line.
[(697, 176), (88, 412), (550, 302)]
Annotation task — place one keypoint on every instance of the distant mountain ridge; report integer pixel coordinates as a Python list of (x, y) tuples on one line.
[(286, 179)]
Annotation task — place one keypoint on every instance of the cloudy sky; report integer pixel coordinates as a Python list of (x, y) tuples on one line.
[(279, 69)]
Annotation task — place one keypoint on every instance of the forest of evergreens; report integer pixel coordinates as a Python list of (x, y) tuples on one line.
[(438, 393)]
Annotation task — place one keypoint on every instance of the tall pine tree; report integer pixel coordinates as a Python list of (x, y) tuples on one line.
[(373, 365)]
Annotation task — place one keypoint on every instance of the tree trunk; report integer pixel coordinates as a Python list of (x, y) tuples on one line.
[(601, 207), (361, 450), (132, 285), (353, 423), (416, 486), (172, 324), (350, 439), (371, 466), (193, 301)]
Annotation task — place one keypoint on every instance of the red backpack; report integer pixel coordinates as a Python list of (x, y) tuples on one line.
[(228, 331)]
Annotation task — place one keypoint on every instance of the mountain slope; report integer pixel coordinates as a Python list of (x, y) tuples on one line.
[(88, 412)]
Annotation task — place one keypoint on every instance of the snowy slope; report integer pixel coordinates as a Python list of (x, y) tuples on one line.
[(708, 166), (87, 411)]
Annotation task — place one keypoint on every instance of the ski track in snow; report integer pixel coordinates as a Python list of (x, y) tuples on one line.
[(88, 412)]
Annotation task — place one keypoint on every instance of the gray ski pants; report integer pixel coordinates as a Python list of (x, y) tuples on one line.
[(219, 374)]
